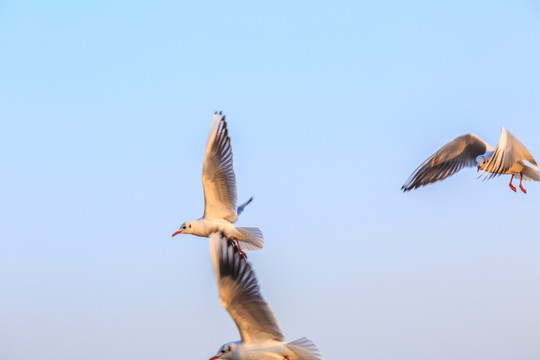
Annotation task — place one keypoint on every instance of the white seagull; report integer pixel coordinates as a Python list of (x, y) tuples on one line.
[(220, 202), (509, 158), (241, 297)]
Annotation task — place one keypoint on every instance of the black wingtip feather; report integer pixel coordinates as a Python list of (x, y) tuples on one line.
[(234, 264)]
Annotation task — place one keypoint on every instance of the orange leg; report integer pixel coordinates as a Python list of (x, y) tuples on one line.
[(520, 184), (512, 186), (240, 248)]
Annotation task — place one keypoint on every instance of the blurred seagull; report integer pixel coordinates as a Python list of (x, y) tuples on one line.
[(241, 297), (219, 184), (509, 158)]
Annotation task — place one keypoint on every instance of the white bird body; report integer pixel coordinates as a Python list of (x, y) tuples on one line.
[(272, 350), (278, 351), (240, 296), (205, 227), (220, 201), (251, 238), (509, 158)]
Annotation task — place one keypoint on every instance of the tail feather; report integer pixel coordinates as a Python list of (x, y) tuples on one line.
[(304, 349), (251, 238), (530, 174)]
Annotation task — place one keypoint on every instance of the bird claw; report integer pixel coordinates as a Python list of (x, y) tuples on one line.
[(240, 248), (521, 183), (512, 187)]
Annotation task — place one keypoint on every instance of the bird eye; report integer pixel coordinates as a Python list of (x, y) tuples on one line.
[(190, 226)]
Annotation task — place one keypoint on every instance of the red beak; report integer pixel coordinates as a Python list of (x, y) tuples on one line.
[(214, 357), (176, 233)]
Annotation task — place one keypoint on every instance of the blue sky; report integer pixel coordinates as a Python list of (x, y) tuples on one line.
[(106, 108)]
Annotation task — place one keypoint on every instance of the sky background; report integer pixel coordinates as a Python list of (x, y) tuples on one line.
[(105, 109)]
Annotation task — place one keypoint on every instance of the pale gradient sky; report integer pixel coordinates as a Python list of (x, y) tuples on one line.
[(105, 110)]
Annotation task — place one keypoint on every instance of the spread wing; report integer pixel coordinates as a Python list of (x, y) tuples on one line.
[(508, 152), (452, 157), (219, 182), (240, 295)]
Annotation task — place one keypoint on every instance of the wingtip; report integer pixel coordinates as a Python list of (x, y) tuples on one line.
[(219, 118)]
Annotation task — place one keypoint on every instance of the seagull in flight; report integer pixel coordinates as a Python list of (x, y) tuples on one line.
[(220, 201), (510, 157), (239, 292)]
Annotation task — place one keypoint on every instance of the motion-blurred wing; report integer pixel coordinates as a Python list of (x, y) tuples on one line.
[(452, 157), (243, 206), (240, 295), (219, 182), (508, 152)]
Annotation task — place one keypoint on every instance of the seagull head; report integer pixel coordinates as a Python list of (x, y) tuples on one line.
[(481, 161), (227, 351), (185, 228)]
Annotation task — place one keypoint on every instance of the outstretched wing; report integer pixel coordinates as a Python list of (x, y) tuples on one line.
[(452, 157), (219, 182), (240, 295), (508, 152)]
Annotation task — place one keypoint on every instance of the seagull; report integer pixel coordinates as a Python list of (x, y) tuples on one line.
[(241, 297), (219, 184), (510, 157)]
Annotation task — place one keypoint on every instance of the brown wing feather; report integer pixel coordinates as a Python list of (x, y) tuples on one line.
[(448, 160), (509, 151), (240, 295)]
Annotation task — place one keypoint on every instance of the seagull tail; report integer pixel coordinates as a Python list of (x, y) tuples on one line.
[(304, 349), (530, 174), (251, 238)]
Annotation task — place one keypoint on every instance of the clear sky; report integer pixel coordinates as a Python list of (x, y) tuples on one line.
[(105, 109)]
